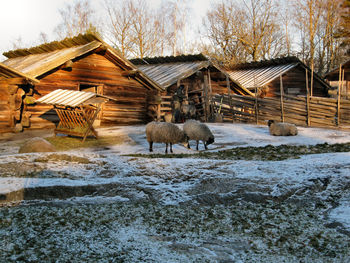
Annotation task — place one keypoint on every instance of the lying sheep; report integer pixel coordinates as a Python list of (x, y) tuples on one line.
[(199, 132), (282, 128), (164, 132)]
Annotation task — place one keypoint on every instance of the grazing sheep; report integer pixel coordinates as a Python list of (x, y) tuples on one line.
[(164, 132), (197, 131), (282, 129)]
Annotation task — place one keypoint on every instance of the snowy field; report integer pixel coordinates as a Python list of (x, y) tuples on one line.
[(101, 205)]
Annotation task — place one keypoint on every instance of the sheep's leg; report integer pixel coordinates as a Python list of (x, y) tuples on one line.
[(188, 145), (171, 147), (151, 146), (197, 145), (166, 148), (205, 145)]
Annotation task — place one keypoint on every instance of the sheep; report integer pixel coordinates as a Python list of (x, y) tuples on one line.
[(282, 129), (197, 131), (164, 132)]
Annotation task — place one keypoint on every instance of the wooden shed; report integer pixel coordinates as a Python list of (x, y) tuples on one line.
[(197, 77), (268, 76), (82, 63), (339, 78)]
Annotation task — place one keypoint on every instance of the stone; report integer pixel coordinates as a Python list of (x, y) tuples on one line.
[(37, 144), (18, 128)]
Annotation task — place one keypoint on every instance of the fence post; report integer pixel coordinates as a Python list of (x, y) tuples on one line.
[(229, 95), (307, 99), (282, 93), (312, 80), (206, 99), (256, 106), (341, 77)]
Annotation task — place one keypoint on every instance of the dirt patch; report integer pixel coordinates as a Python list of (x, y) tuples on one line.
[(65, 143)]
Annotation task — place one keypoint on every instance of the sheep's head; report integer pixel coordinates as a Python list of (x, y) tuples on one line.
[(270, 122), (210, 141), (185, 140)]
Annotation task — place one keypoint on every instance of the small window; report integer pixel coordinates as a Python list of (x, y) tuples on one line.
[(88, 87)]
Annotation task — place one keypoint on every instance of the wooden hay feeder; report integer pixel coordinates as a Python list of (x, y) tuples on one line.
[(77, 111)]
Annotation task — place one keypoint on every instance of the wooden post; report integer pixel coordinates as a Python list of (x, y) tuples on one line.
[(256, 103), (256, 106), (307, 99), (338, 97), (206, 98), (210, 99), (159, 107), (282, 92), (229, 95), (312, 80)]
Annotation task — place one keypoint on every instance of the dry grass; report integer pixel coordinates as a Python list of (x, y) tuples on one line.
[(65, 143)]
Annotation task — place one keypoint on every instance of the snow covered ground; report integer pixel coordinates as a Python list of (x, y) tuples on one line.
[(178, 209)]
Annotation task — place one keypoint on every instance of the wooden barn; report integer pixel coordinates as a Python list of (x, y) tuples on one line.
[(267, 77), (82, 63), (339, 78), (194, 76)]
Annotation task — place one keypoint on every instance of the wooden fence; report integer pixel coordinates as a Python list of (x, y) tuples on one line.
[(303, 111)]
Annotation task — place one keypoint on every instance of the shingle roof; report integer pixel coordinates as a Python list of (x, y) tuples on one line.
[(258, 74), (258, 77), (37, 64), (169, 73)]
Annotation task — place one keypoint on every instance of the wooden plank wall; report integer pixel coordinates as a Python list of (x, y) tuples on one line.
[(296, 78), (129, 107), (322, 111)]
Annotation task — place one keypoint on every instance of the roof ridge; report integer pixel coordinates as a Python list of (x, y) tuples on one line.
[(81, 39), (267, 63), (169, 59)]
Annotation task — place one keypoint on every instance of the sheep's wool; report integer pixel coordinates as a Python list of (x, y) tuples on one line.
[(164, 132), (197, 131), (283, 129)]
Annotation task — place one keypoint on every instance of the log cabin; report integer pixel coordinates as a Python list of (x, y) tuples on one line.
[(198, 78), (268, 76), (339, 78), (82, 63)]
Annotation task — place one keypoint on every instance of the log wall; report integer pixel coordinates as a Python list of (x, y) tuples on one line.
[(294, 83), (5, 114), (129, 107)]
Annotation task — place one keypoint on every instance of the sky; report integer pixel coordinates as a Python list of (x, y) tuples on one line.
[(26, 19)]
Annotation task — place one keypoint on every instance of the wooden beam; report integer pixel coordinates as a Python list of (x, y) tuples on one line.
[(67, 65), (282, 92), (15, 81), (130, 73)]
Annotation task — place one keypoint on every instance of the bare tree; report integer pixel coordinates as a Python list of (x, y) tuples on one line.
[(316, 22), (140, 31), (17, 43), (245, 31), (176, 15), (344, 29), (119, 26), (76, 19)]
